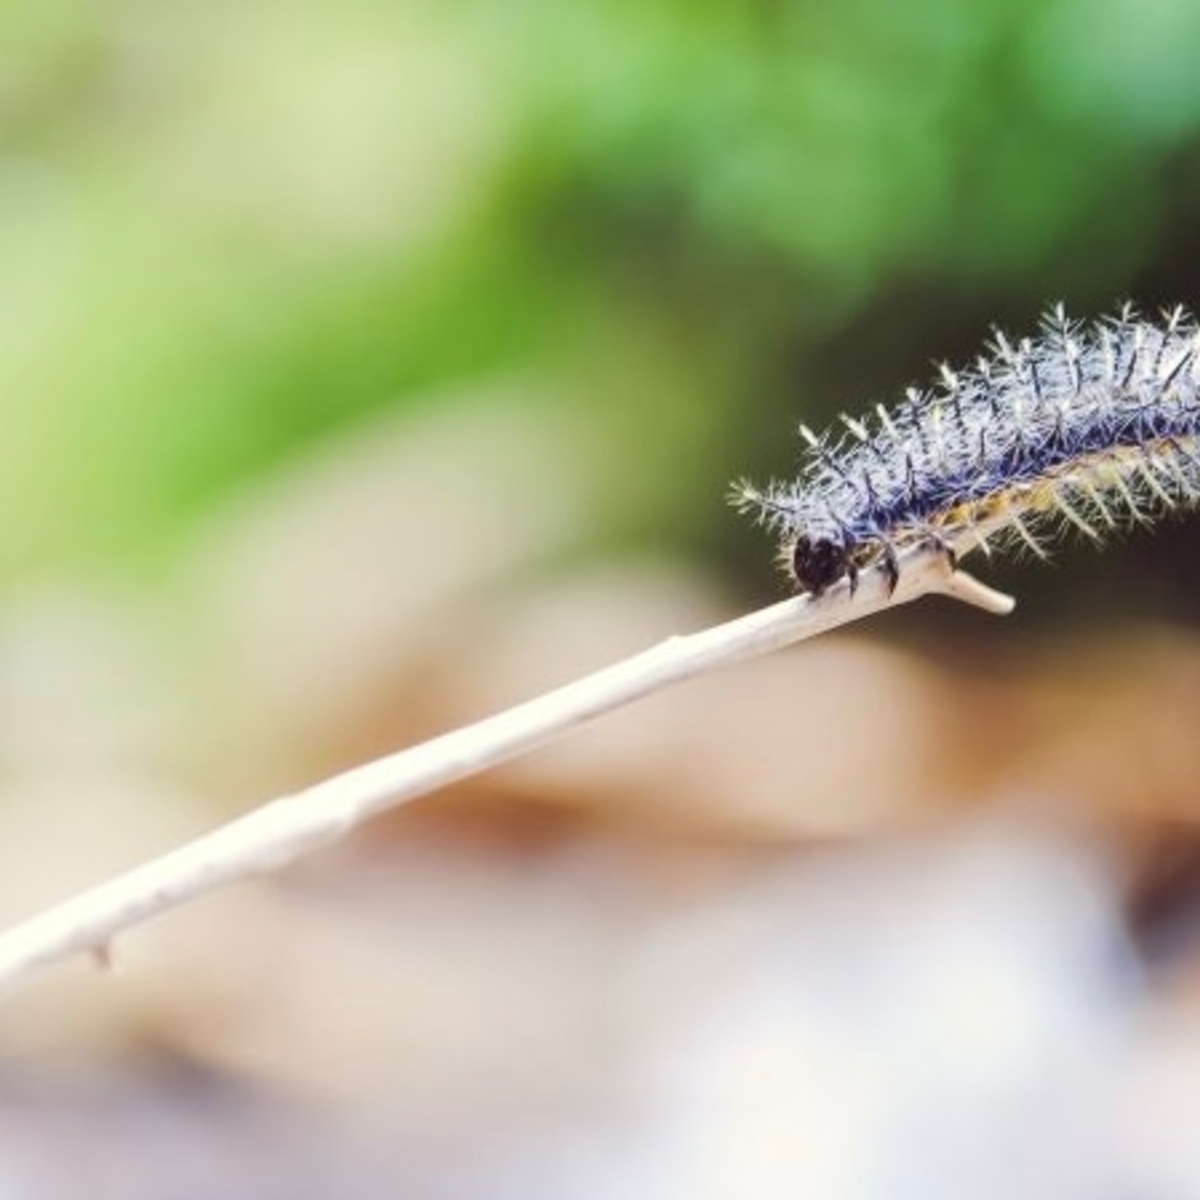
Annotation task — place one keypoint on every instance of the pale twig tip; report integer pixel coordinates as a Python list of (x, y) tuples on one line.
[(961, 585)]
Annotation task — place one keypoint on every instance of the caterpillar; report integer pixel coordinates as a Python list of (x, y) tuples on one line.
[(1083, 426)]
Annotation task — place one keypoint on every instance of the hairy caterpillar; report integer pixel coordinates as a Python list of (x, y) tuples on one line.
[(1082, 426)]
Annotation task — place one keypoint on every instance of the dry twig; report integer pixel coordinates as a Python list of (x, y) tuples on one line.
[(281, 831)]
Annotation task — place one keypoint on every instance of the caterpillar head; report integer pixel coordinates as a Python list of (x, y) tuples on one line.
[(817, 562)]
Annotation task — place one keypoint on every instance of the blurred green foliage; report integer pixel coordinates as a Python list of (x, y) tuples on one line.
[(229, 229)]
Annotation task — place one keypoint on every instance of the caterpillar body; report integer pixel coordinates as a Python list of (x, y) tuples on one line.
[(1089, 427)]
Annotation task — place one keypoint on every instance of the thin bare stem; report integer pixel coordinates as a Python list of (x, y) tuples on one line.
[(282, 830)]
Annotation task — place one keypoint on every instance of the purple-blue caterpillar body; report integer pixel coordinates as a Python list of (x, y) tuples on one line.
[(1084, 426)]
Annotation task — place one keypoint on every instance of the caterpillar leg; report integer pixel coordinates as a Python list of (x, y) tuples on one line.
[(939, 542), (891, 567)]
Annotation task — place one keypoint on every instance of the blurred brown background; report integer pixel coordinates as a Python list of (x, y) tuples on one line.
[(368, 367)]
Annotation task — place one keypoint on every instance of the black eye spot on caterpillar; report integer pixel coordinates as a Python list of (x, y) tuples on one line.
[(1082, 427)]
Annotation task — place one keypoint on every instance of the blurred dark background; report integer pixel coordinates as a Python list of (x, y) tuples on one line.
[(366, 367)]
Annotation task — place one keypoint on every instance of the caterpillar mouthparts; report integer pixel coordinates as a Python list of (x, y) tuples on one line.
[(1084, 427)]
